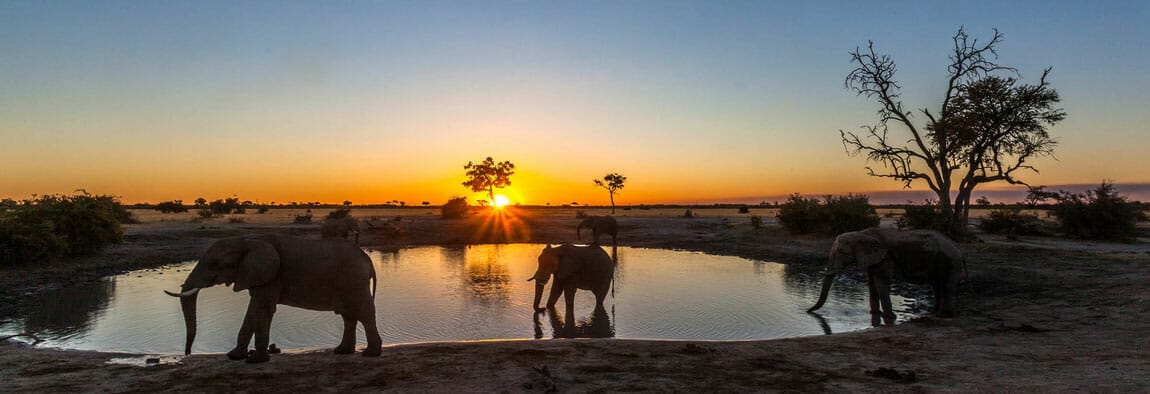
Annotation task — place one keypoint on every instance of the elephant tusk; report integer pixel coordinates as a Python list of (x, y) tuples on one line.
[(184, 294), (531, 279)]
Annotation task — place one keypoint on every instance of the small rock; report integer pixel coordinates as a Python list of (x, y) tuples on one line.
[(273, 349)]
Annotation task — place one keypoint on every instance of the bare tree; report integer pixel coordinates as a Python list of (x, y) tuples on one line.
[(487, 176), (612, 182), (987, 128)]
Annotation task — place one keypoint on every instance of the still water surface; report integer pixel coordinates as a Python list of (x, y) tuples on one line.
[(464, 293)]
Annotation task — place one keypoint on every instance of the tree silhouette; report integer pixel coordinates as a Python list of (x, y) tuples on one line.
[(612, 182), (488, 176), (986, 129)]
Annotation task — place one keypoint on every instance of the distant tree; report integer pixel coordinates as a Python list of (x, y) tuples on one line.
[(987, 128), (982, 201), (612, 182), (487, 176), (346, 203), (200, 202), (174, 206)]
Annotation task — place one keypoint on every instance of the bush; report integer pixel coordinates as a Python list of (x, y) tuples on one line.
[(744, 210), (926, 216), (455, 208), (303, 219), (60, 226), (756, 222), (174, 206), (1099, 214), (800, 215), (1011, 221), (339, 213), (834, 215)]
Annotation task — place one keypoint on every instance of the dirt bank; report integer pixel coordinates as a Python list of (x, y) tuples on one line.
[(1043, 316)]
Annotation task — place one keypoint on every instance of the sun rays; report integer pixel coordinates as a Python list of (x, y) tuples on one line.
[(503, 224)]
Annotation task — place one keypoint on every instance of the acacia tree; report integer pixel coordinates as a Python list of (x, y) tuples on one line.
[(486, 176), (612, 182), (987, 128)]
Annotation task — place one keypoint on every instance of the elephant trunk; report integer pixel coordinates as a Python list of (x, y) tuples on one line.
[(827, 281), (538, 294), (578, 232), (188, 305)]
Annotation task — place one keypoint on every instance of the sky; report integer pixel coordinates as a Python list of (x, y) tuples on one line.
[(377, 101)]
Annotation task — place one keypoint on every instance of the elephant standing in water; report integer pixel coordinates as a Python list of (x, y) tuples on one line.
[(922, 256), (322, 275), (598, 225), (574, 267)]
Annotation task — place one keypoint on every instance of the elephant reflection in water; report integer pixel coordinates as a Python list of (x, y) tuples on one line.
[(573, 268), (597, 326)]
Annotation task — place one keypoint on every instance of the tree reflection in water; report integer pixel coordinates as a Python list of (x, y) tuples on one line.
[(67, 311)]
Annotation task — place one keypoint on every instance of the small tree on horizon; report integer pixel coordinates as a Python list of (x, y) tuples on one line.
[(987, 127), (612, 182), (486, 176)]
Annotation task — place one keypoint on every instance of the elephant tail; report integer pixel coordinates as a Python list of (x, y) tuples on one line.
[(374, 280)]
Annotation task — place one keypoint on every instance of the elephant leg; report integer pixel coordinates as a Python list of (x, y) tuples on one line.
[(371, 331), (569, 319), (882, 287), (347, 341), (244, 338), (946, 292), (873, 297), (261, 309), (556, 290)]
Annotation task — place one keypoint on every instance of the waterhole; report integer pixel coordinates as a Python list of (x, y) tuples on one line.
[(478, 292)]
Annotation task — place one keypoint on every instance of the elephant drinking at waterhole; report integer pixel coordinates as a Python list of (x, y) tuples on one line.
[(322, 275), (921, 256), (574, 267)]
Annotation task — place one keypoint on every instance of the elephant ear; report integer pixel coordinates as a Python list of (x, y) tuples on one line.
[(260, 265), (868, 251), (568, 264)]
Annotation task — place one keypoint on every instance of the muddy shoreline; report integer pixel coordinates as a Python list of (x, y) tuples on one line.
[(1043, 316)]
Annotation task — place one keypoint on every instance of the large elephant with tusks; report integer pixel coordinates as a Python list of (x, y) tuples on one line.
[(921, 256), (322, 275)]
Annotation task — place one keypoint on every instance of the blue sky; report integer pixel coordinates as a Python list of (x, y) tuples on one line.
[(374, 101)]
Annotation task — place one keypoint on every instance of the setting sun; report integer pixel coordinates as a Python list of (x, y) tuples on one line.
[(501, 201)]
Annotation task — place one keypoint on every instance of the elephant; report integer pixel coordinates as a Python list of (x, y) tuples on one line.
[(598, 225), (922, 256), (321, 275), (574, 267), (339, 228)]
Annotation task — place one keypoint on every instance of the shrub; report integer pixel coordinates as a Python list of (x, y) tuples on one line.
[(303, 219), (174, 206), (1011, 221), (926, 216), (834, 215), (849, 213), (800, 215), (60, 226), (455, 208), (206, 213), (235, 220), (688, 214), (339, 213), (744, 210), (756, 222), (1099, 214), (262, 210)]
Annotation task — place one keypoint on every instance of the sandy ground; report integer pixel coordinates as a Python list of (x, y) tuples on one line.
[(1040, 314)]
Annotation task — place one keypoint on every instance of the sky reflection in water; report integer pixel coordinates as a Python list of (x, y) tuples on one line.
[(464, 293)]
